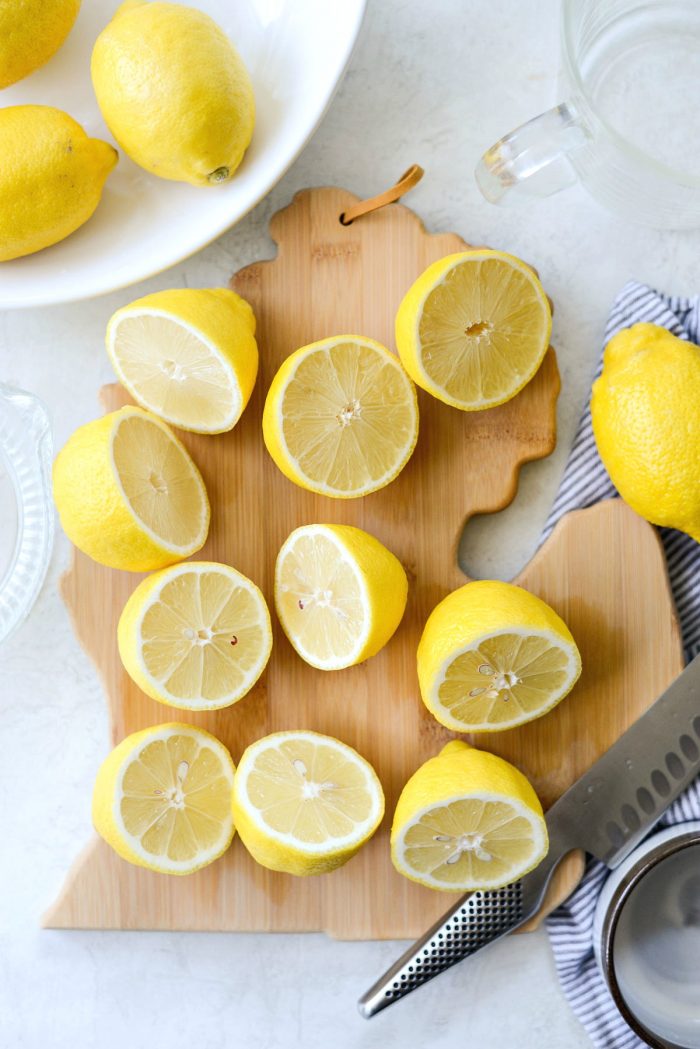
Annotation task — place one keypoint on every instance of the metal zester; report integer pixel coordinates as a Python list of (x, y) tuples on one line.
[(606, 812)]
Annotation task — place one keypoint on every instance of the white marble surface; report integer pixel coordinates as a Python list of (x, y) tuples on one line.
[(433, 83)]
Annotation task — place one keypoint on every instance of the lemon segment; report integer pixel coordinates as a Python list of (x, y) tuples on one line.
[(644, 411), (339, 593), (304, 803), (473, 328), (162, 799), (467, 820), (493, 656), (195, 636), (341, 417), (51, 176), (174, 92), (31, 32), (189, 355), (128, 494)]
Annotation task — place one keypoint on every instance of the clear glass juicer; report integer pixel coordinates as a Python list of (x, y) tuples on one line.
[(26, 507)]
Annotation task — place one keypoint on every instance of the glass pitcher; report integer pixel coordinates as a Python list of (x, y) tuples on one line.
[(629, 128)]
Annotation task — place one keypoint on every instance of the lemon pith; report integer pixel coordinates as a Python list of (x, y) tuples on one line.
[(31, 32), (467, 820), (195, 636), (341, 417), (189, 355), (473, 328), (51, 178), (304, 803), (339, 593), (195, 120), (128, 494), (162, 798), (644, 411), (493, 656)]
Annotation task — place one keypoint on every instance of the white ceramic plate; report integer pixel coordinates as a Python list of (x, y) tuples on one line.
[(296, 52)]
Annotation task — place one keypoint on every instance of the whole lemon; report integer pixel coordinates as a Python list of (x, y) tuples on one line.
[(647, 424), (51, 177), (31, 31), (174, 92)]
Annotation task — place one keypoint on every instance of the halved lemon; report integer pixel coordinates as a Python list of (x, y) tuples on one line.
[(189, 355), (304, 803), (195, 636), (473, 329), (340, 594), (493, 656), (467, 820), (341, 417), (128, 494), (162, 799)]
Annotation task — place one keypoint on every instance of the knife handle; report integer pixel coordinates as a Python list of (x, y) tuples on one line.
[(476, 920)]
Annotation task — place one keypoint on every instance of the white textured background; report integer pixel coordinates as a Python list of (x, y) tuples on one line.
[(432, 83)]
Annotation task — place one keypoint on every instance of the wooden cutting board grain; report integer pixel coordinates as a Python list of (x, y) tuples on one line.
[(602, 570)]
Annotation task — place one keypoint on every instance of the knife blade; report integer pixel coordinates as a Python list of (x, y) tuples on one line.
[(610, 808), (607, 812)]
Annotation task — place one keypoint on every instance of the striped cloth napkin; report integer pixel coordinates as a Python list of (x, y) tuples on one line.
[(586, 482)]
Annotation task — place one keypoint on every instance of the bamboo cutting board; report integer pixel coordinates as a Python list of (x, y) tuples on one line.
[(602, 570)]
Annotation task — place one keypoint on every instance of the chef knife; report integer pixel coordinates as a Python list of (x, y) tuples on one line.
[(607, 812)]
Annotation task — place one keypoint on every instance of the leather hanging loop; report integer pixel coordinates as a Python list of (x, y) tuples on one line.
[(408, 180)]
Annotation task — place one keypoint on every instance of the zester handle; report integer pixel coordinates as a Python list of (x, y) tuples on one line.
[(478, 919)]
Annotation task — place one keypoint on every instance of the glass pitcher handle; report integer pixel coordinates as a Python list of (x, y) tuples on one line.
[(533, 160)]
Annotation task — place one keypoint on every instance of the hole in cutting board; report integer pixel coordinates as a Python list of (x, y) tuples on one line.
[(499, 545)]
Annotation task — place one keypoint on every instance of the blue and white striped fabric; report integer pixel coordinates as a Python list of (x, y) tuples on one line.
[(586, 482)]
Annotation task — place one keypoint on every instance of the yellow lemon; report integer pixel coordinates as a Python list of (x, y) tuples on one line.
[(196, 635), (188, 354), (174, 92), (51, 177), (340, 594), (341, 417), (31, 31), (646, 424), (304, 803), (493, 656), (162, 799), (128, 494), (467, 820), (473, 329)]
